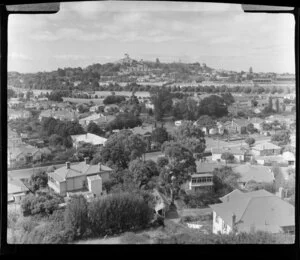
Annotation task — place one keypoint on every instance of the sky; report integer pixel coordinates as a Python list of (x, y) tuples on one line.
[(84, 33)]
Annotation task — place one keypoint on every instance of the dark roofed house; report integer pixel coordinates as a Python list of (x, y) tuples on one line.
[(236, 125), (253, 211), (73, 177)]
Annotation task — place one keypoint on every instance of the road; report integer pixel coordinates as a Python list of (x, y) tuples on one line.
[(26, 173)]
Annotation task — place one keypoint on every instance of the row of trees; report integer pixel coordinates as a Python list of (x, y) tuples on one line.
[(188, 108)]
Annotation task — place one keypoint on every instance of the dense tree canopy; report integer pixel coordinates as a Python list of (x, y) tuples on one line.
[(162, 101), (213, 106), (122, 147)]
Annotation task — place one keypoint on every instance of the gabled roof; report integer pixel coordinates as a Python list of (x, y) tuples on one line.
[(16, 186), (265, 146), (76, 170), (260, 209), (89, 138), (233, 150), (206, 167), (142, 130), (256, 173)]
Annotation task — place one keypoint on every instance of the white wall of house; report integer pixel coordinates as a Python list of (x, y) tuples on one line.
[(219, 225), (75, 183)]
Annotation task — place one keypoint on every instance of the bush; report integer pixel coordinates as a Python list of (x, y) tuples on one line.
[(43, 203), (76, 216), (241, 238), (118, 213), (132, 238)]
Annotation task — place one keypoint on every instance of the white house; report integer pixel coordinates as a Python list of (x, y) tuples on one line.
[(16, 190), (238, 153), (88, 138), (253, 211)]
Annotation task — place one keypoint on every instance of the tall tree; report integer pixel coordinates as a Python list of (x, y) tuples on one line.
[(122, 147), (162, 101)]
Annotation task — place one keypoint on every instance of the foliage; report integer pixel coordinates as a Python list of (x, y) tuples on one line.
[(93, 128), (159, 135), (186, 108), (259, 237), (76, 216), (227, 156), (282, 138), (250, 141), (43, 203), (200, 199), (38, 180), (142, 172), (190, 136), (118, 213), (206, 121), (113, 99), (162, 101), (213, 106), (251, 129), (122, 147), (162, 161), (225, 180), (124, 121)]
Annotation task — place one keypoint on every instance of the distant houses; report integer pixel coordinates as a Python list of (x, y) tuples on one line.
[(18, 114), (253, 211), (63, 114), (265, 149)]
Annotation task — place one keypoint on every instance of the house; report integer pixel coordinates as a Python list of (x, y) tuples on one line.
[(18, 114), (63, 114), (23, 154), (14, 102), (289, 157), (202, 180), (13, 139), (94, 108), (265, 149), (257, 122), (236, 126), (270, 160), (253, 211), (78, 177), (16, 190), (88, 138), (237, 152), (257, 173), (92, 118), (142, 130)]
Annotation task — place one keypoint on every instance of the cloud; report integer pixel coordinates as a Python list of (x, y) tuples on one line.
[(75, 57), (19, 56)]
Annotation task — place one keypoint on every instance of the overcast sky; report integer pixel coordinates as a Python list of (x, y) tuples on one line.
[(83, 33)]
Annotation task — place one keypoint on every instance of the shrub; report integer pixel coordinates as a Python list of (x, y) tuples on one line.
[(118, 213), (132, 238), (43, 203), (76, 216)]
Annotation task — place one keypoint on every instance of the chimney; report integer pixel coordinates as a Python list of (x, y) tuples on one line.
[(86, 160), (68, 165), (233, 222), (99, 164)]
